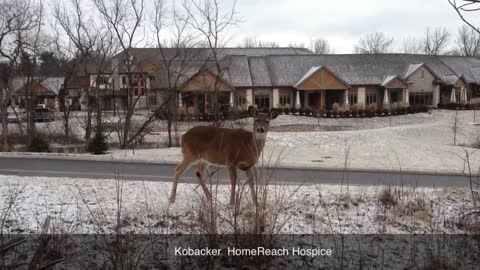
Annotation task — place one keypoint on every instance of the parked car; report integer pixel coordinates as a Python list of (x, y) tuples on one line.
[(43, 114), (15, 115)]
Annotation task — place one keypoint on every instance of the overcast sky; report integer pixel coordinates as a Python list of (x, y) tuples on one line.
[(340, 22)]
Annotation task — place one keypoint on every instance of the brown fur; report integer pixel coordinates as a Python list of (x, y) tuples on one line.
[(232, 148)]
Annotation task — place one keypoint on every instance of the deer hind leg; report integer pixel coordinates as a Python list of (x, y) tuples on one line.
[(252, 179), (179, 170), (201, 167), (232, 170)]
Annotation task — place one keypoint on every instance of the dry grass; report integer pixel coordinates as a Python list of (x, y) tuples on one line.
[(387, 197)]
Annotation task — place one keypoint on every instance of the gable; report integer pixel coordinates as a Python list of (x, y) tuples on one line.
[(321, 79), (148, 66), (205, 81), (396, 82), (460, 83), (422, 73)]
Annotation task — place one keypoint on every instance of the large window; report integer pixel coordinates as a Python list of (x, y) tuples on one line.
[(421, 99), (262, 101), (352, 99), (371, 98), (103, 80), (285, 101)]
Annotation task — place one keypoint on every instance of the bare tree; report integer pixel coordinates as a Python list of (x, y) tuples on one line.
[(19, 22), (464, 8), (412, 46), (321, 46), (297, 45), (374, 43), (175, 61), (435, 41), (89, 50), (125, 17), (212, 22), (468, 41), (255, 43)]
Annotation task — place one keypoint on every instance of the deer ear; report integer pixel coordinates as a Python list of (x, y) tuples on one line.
[(252, 111), (273, 114)]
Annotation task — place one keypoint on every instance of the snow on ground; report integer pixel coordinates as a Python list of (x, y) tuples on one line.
[(88, 206), (418, 142), (411, 142)]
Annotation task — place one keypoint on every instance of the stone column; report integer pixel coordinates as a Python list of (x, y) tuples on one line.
[(276, 98), (297, 100), (361, 96), (180, 102), (249, 97), (347, 102), (436, 96), (386, 101), (463, 95), (232, 98), (453, 97)]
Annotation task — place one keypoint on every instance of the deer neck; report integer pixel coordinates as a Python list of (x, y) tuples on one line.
[(259, 142)]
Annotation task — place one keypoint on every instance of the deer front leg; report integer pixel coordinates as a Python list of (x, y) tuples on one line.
[(200, 175), (178, 172), (232, 171), (251, 175)]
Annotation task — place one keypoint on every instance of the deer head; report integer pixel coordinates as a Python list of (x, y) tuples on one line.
[(261, 122)]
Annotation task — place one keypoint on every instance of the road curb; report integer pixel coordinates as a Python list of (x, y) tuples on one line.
[(166, 162)]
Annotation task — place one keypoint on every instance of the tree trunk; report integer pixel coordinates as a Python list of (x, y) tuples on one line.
[(88, 129), (4, 120)]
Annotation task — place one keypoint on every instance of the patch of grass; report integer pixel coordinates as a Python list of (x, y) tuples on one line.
[(39, 144), (387, 197)]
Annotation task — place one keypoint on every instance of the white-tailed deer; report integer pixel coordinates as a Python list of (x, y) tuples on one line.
[(231, 148)]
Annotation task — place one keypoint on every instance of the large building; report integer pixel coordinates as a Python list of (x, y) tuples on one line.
[(287, 77)]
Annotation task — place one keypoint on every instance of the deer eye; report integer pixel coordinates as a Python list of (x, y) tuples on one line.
[(266, 121)]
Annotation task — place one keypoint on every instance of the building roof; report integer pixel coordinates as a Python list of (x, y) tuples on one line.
[(312, 71), (469, 67), (355, 69), (52, 84), (277, 67), (391, 78)]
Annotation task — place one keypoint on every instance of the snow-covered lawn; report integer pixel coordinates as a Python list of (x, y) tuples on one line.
[(88, 206), (418, 142)]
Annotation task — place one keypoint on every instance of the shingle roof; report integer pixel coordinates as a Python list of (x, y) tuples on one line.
[(275, 67), (469, 67), (355, 69), (52, 84), (315, 69)]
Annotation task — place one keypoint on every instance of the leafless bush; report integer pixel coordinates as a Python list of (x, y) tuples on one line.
[(387, 197)]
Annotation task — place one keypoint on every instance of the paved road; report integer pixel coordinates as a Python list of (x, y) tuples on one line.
[(163, 172)]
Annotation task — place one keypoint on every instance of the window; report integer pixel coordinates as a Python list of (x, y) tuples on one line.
[(352, 99), (102, 80), (124, 80), (469, 95), (371, 98), (421, 99), (262, 102), (151, 79), (139, 86), (285, 101), (152, 101), (241, 100), (423, 74)]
